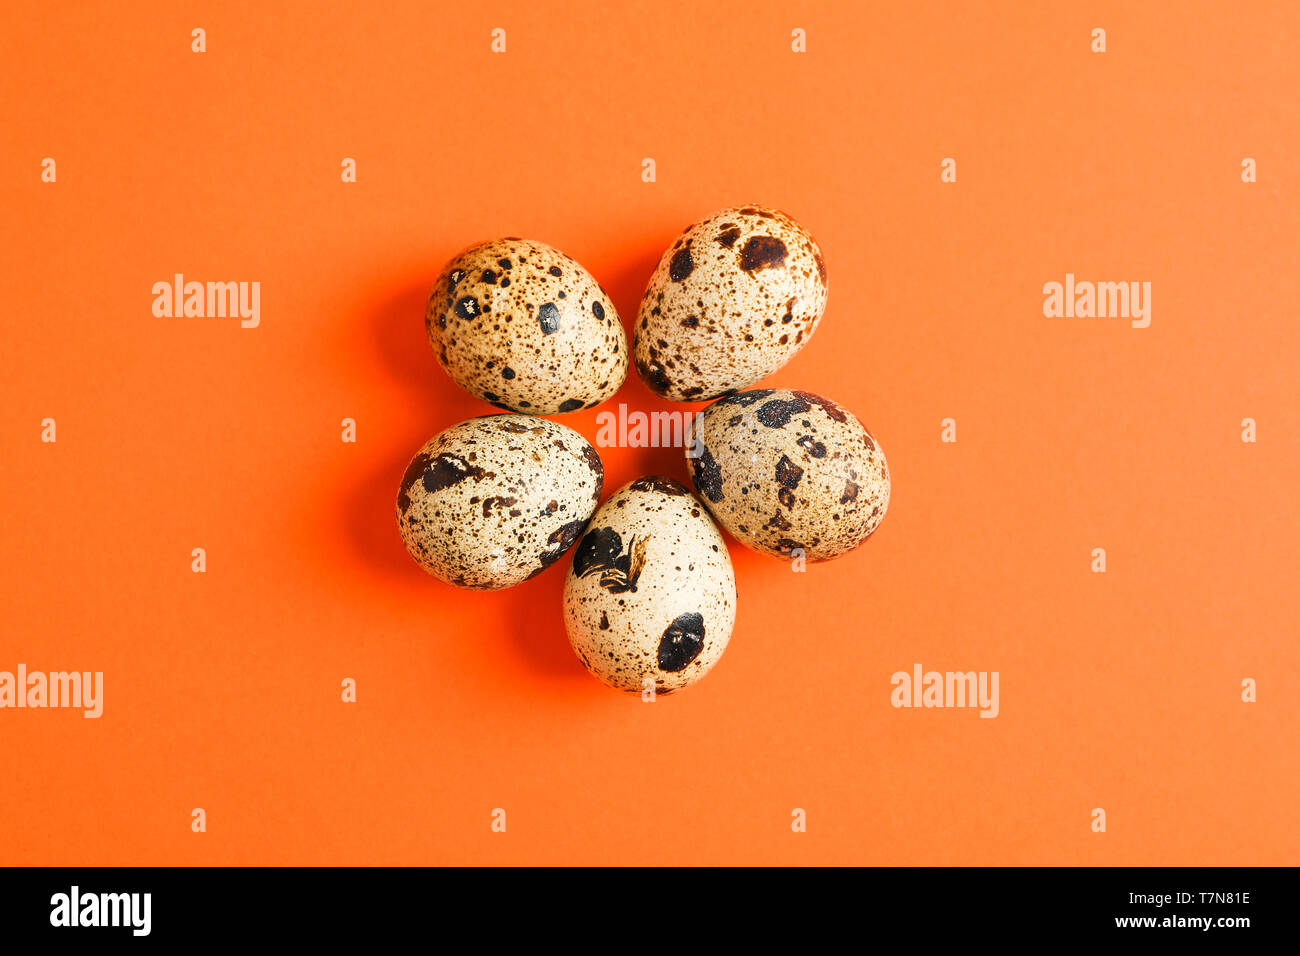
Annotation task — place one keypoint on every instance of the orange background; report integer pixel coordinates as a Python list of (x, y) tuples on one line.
[(1118, 690)]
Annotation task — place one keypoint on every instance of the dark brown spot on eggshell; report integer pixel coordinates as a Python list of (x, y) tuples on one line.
[(826, 405), (601, 552), (447, 470), (561, 539), (658, 483), (707, 475), (654, 375), (682, 264), (414, 472), (548, 317), (595, 464), (682, 642), (744, 399), (788, 473), (779, 522), (496, 501), (762, 252), (777, 412), (813, 447)]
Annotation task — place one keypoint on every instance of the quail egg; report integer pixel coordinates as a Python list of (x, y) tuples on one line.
[(650, 598), (496, 500), (524, 327), (788, 471), (731, 301)]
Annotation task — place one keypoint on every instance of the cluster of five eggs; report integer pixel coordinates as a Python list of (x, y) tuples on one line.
[(650, 597)]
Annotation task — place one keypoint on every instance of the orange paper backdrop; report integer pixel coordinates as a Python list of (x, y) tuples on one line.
[(1119, 690)]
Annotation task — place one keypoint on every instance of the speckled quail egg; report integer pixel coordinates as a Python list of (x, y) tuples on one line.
[(523, 326), (731, 301), (650, 599), (788, 472), (496, 500)]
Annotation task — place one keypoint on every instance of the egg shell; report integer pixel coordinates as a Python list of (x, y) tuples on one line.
[(523, 326), (787, 471), (731, 301), (650, 592), (496, 500)]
